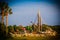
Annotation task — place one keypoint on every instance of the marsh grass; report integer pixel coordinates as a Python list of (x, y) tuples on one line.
[(34, 38)]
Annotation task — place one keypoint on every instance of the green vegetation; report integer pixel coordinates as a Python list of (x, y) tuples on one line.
[(14, 28), (29, 28)]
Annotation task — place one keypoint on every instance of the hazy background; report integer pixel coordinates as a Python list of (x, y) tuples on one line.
[(25, 11)]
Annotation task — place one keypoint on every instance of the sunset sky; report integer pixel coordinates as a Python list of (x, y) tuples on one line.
[(25, 11)]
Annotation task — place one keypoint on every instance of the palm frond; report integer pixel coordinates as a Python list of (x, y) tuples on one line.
[(4, 6), (10, 11)]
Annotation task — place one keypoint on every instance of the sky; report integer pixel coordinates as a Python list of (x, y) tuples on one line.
[(25, 11)]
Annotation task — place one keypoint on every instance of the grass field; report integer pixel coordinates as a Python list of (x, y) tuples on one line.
[(34, 38)]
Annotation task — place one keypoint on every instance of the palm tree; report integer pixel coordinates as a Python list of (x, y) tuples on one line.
[(8, 10), (2, 9)]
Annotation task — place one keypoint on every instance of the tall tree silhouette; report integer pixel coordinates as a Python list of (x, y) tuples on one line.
[(8, 10), (5, 10), (2, 10)]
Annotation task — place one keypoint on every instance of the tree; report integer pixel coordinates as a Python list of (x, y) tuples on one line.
[(2, 10), (14, 26), (5, 9), (10, 29), (8, 10), (29, 28)]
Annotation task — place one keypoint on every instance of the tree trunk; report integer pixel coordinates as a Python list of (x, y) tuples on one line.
[(2, 21), (7, 19), (6, 23), (2, 16)]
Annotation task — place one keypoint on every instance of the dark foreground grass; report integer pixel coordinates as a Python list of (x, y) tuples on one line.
[(57, 37), (34, 38)]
